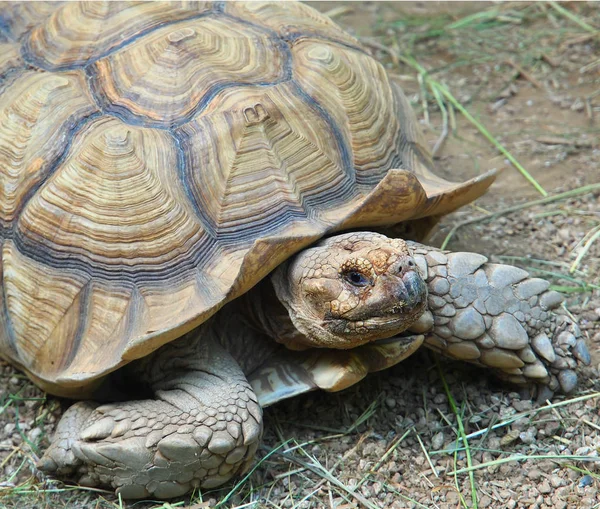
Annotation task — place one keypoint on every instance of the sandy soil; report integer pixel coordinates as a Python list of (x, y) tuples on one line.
[(532, 77)]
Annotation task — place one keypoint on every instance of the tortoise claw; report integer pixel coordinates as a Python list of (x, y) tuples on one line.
[(47, 464)]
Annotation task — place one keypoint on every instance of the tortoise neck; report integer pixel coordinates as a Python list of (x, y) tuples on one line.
[(264, 312)]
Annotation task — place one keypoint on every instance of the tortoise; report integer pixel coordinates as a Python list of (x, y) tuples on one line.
[(194, 204)]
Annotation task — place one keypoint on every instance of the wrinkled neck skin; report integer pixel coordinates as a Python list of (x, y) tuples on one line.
[(289, 326), (263, 311)]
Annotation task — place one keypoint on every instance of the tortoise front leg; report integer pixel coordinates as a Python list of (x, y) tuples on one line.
[(202, 427), (497, 316)]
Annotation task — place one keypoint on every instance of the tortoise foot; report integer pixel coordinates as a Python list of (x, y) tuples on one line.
[(59, 459), (151, 449), (498, 317), (203, 428)]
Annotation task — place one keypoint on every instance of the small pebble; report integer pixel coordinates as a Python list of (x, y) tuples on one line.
[(437, 442), (583, 451), (528, 437), (34, 435), (522, 405), (556, 481), (485, 501), (534, 474)]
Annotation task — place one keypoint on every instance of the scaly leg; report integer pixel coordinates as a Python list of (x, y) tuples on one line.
[(202, 428), (498, 317)]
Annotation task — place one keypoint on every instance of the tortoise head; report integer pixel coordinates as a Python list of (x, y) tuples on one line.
[(349, 290)]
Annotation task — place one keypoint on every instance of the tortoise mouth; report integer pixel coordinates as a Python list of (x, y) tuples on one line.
[(405, 337), (355, 333), (393, 321)]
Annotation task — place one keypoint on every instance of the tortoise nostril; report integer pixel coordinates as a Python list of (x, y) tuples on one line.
[(406, 265)]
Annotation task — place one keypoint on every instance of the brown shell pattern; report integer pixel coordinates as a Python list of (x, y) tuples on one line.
[(158, 159)]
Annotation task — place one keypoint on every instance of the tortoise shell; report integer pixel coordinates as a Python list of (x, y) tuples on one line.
[(158, 159)]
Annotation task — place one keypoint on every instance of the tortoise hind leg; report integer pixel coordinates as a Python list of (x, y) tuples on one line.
[(202, 428), (498, 317)]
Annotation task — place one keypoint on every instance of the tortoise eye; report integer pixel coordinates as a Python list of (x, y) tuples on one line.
[(356, 278)]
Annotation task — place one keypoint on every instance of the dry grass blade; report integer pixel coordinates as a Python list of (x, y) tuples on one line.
[(68, 489), (415, 503), (593, 236), (365, 416), (557, 140), (444, 136), (461, 434), (590, 424), (504, 13), (425, 78), (534, 411), (584, 471), (548, 199), (322, 472), (433, 469), (521, 457), (387, 454), (589, 67), (522, 72), (529, 260), (574, 18), (240, 483), (477, 17), (424, 102), (488, 136)]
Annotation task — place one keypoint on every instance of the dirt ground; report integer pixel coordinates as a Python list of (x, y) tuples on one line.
[(531, 75)]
